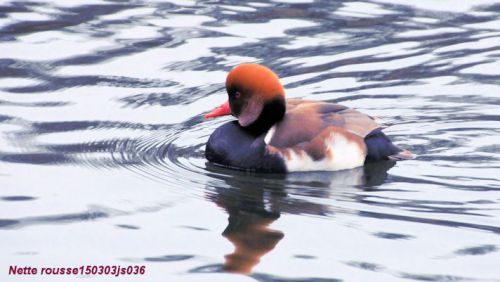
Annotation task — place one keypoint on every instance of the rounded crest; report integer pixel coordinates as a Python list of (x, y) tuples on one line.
[(255, 79)]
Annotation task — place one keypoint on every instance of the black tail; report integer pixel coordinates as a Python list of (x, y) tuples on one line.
[(380, 147)]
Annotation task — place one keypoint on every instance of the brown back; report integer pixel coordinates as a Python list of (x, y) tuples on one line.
[(305, 119)]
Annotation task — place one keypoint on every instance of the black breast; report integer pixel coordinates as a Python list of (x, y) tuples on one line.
[(232, 146)]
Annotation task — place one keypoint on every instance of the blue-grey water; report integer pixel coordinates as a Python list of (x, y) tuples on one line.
[(102, 140)]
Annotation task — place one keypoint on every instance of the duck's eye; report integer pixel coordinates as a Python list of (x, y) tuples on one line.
[(237, 95)]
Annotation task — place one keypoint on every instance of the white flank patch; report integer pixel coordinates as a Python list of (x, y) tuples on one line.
[(270, 134), (346, 155)]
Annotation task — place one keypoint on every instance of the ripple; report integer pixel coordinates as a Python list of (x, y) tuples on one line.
[(479, 250), (54, 219), (17, 198), (169, 258), (392, 236)]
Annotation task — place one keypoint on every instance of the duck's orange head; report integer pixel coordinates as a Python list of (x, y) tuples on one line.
[(253, 91)]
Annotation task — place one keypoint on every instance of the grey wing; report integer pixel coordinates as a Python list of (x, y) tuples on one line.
[(350, 120), (304, 120)]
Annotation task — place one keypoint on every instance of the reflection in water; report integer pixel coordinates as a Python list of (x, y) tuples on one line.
[(254, 202), (251, 208), (252, 238)]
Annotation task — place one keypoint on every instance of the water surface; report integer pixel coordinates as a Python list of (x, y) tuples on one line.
[(102, 140)]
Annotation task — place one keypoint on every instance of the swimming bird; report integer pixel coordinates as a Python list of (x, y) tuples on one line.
[(275, 134)]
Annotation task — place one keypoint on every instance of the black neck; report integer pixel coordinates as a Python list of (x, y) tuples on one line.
[(272, 113)]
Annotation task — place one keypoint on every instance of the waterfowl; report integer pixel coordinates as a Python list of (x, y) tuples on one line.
[(275, 134)]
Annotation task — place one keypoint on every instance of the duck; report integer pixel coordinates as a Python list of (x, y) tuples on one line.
[(278, 135)]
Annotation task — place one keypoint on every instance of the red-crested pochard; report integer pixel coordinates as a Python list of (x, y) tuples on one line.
[(275, 134)]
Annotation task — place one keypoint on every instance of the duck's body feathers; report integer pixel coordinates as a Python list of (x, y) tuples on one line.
[(311, 136)]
